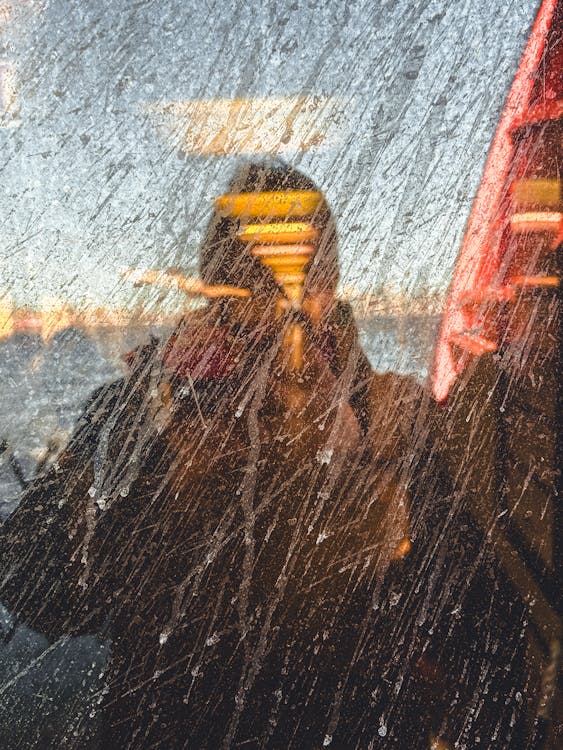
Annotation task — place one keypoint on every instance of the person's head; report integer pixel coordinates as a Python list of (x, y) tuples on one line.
[(227, 260)]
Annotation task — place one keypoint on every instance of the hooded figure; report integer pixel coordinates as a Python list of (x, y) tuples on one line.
[(253, 518)]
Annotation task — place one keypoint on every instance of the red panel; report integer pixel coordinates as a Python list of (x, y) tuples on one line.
[(535, 96)]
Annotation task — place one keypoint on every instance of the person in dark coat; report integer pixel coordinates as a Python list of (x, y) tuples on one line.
[(273, 552)]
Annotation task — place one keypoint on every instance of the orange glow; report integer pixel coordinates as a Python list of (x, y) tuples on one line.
[(275, 205), (189, 286), (288, 268), (547, 192), (265, 125), (473, 343), (491, 294), (403, 549), (546, 281), (284, 233), (260, 251), (536, 221), (288, 264)]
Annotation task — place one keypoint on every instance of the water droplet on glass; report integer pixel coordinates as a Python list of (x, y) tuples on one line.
[(324, 455)]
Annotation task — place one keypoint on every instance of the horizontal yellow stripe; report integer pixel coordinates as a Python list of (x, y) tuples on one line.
[(274, 205), (279, 233), (269, 251), (545, 281), (546, 192), (292, 264), (536, 221)]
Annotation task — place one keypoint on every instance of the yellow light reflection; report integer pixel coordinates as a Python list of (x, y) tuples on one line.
[(546, 192), (284, 233), (536, 221), (275, 205), (267, 125)]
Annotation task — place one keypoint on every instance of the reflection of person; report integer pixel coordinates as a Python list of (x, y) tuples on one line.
[(267, 544)]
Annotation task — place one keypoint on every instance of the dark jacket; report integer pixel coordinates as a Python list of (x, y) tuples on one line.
[(269, 576)]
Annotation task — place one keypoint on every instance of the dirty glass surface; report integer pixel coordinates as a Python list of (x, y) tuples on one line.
[(237, 510)]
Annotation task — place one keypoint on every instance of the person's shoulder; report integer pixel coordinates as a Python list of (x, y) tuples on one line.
[(201, 318), (395, 398), (103, 398), (397, 386), (121, 395), (343, 311), (141, 357)]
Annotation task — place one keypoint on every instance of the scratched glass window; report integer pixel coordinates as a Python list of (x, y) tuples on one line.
[(279, 350)]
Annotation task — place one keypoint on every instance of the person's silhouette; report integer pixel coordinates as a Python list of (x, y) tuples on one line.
[(238, 515)]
